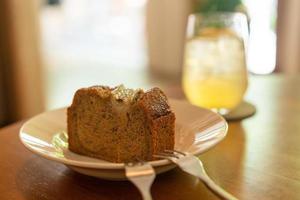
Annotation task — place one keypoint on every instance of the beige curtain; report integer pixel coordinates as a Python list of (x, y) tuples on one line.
[(21, 84), (288, 36)]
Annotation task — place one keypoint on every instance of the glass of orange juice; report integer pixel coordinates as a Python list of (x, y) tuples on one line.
[(214, 71)]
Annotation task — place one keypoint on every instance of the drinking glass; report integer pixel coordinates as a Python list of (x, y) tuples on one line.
[(214, 71)]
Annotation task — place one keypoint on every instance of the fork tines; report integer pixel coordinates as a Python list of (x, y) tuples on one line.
[(167, 154), (175, 151)]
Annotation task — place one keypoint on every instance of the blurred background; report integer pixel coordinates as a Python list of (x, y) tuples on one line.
[(50, 48)]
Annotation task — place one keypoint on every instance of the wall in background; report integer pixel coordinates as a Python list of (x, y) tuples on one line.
[(262, 39), (22, 84), (288, 59)]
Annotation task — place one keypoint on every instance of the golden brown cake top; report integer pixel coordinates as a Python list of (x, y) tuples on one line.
[(153, 101), (97, 90)]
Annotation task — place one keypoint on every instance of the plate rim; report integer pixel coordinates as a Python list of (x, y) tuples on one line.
[(110, 165)]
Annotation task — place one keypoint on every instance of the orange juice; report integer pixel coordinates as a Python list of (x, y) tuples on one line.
[(214, 74)]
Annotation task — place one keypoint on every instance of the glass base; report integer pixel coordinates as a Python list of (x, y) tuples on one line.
[(221, 111)]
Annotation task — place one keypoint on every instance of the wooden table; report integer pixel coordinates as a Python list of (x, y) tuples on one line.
[(259, 159)]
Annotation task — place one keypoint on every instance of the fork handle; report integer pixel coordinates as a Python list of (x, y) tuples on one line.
[(145, 192), (217, 190), (144, 185), (146, 195)]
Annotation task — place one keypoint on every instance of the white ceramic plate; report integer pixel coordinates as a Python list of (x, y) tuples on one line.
[(197, 130)]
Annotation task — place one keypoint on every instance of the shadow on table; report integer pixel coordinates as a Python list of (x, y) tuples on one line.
[(225, 162), (42, 179)]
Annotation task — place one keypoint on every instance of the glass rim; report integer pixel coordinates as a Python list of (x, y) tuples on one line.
[(236, 21), (217, 13)]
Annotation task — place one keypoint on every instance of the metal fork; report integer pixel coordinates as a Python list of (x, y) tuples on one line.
[(142, 175), (193, 165)]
